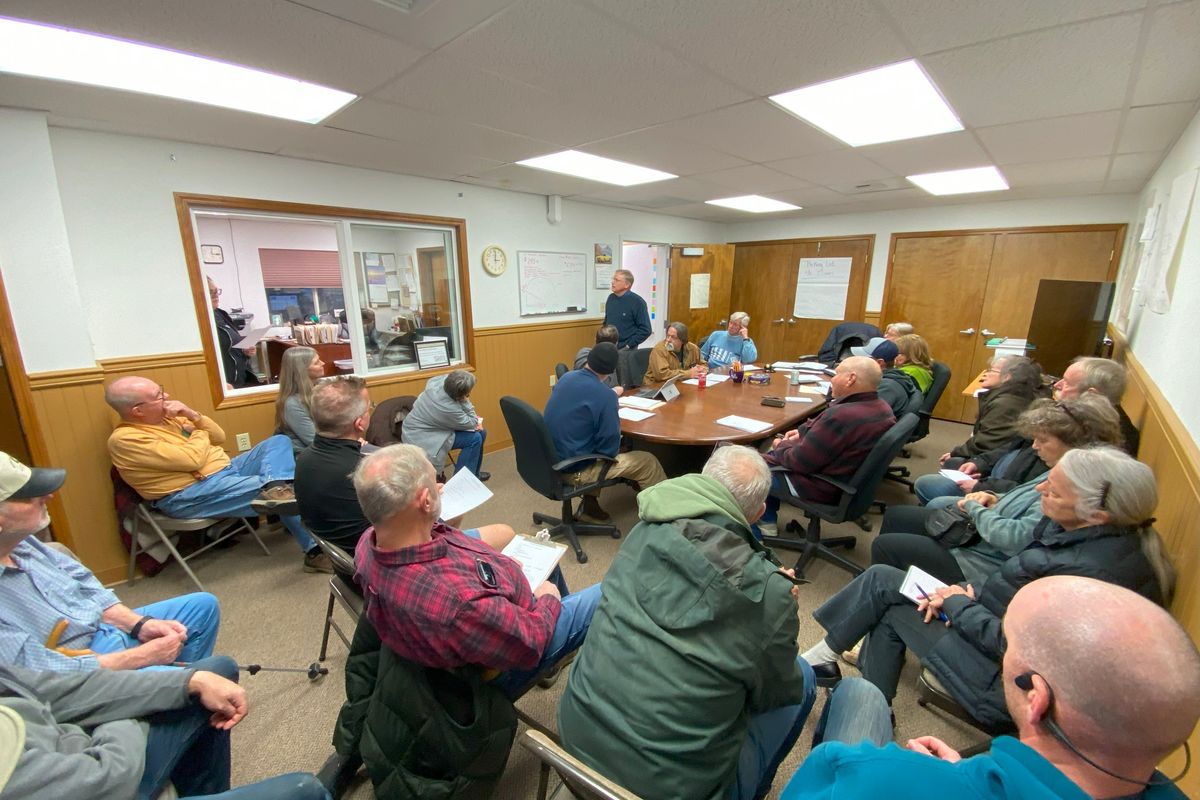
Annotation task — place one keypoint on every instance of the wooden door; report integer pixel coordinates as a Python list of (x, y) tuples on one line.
[(702, 312), (758, 273), (805, 336), (937, 283), (435, 286)]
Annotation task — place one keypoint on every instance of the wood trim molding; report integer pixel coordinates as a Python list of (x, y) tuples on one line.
[(809, 239), (156, 361), (505, 330), (68, 377), (1118, 227)]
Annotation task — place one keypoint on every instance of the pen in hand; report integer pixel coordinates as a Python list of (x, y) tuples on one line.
[(941, 615)]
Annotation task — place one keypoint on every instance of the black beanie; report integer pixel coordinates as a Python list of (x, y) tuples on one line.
[(603, 358)]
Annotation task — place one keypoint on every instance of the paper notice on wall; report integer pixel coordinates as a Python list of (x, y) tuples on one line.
[(1152, 282), (699, 290), (822, 285)]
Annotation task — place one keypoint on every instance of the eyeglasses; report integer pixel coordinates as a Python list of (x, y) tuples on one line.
[(992, 370), (158, 398), (214, 292), (1063, 408)]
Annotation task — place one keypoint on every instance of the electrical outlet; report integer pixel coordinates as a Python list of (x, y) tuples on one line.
[(553, 380), (243, 442)]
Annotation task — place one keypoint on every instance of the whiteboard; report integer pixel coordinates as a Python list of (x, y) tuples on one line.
[(552, 283)]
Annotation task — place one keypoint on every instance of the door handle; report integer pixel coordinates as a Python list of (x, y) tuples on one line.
[(791, 322), (986, 332), (777, 321), (968, 331)]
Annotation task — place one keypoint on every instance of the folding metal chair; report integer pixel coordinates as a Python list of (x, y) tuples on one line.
[(161, 524), (342, 591)]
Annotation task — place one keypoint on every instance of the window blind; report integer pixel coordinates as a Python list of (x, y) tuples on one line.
[(286, 269)]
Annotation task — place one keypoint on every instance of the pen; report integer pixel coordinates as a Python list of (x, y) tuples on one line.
[(925, 594)]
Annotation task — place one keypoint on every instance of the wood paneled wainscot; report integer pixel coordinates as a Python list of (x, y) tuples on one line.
[(74, 421)]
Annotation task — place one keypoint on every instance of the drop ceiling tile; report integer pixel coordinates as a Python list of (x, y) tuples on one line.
[(928, 154), (1154, 127), (1052, 139), (767, 46), (1171, 61), (838, 167), (1134, 167), (355, 149), (1068, 70), (537, 181), (752, 179), (1067, 170), (685, 190), (941, 26), (1124, 187), (757, 131), (815, 196), (664, 149), (711, 213), (432, 25)]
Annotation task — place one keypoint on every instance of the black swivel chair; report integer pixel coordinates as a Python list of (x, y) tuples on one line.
[(941, 379), (632, 366), (857, 495), (540, 467), (560, 369)]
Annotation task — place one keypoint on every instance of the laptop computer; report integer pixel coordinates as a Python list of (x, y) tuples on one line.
[(668, 391)]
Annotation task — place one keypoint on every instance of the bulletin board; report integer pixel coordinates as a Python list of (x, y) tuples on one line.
[(552, 283)]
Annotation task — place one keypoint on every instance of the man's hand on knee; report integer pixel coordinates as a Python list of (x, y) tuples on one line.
[(157, 628), (225, 699)]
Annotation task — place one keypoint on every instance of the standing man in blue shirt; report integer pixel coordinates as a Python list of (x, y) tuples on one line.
[(582, 417), (627, 311)]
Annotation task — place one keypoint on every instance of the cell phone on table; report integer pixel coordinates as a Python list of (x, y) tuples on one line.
[(772, 400)]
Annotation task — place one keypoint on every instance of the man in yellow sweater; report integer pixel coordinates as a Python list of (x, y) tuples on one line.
[(171, 456)]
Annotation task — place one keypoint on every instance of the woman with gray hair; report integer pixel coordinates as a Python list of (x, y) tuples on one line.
[(674, 356), (1012, 383), (443, 419), (722, 348)]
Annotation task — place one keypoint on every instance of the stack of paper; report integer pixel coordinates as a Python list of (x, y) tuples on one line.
[(462, 493), (537, 558), (633, 414), (744, 423), (644, 403)]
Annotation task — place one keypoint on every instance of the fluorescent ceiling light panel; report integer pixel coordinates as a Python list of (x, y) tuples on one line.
[(961, 181), (882, 105), (595, 168), (59, 54), (753, 202)]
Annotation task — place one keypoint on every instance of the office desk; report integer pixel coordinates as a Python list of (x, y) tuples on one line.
[(975, 385), (690, 419), (328, 353)]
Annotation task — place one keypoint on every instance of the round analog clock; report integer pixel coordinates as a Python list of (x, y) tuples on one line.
[(494, 260)]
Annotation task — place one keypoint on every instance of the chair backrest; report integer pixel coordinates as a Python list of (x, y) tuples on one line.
[(342, 561), (560, 369), (533, 447), (635, 365), (387, 420), (869, 475), (583, 781), (941, 378)]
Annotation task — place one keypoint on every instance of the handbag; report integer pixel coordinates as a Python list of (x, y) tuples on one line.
[(951, 527)]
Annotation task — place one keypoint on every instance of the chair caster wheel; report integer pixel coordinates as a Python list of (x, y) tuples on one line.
[(581, 558), (616, 534)]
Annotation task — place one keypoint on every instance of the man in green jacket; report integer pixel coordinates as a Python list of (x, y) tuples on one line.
[(688, 684)]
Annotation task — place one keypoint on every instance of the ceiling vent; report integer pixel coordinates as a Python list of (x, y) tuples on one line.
[(872, 187), (405, 6)]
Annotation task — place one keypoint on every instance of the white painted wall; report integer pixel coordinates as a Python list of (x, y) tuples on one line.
[(116, 194), (1160, 340), (1057, 211)]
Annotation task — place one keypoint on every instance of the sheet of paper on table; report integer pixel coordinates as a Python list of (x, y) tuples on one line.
[(462, 493), (644, 403), (750, 368), (537, 558), (744, 423), (808, 377), (798, 399), (634, 414), (955, 475), (918, 582), (712, 378)]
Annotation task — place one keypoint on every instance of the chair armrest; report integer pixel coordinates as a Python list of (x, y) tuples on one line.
[(566, 464), (845, 487)]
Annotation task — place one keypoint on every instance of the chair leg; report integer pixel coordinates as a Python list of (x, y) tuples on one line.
[(254, 533), (328, 623), (812, 546), (166, 540), (133, 548)]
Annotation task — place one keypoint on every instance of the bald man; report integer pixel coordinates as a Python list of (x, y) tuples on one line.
[(834, 443), (1102, 684)]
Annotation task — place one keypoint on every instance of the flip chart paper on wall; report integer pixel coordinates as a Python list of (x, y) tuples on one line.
[(699, 290), (1153, 281), (552, 283), (821, 288)]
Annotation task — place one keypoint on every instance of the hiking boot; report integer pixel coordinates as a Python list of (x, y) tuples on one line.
[(278, 499), (590, 511), (318, 562)]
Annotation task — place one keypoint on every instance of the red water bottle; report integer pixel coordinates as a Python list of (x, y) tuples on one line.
[(702, 379)]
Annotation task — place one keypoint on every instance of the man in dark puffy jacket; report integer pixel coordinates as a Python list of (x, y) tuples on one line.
[(896, 388)]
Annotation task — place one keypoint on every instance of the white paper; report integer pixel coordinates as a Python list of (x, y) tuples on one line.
[(918, 583), (699, 290), (813, 365), (955, 475), (462, 493), (393, 282), (252, 338), (633, 414), (822, 285), (1150, 225), (537, 559), (712, 379), (644, 403), (798, 399), (744, 423), (1168, 236)]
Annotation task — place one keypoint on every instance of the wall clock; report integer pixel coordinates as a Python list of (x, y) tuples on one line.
[(494, 260)]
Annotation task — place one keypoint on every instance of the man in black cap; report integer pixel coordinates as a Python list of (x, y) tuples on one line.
[(582, 417), (55, 616)]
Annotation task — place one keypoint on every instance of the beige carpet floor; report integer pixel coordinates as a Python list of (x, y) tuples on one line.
[(273, 614)]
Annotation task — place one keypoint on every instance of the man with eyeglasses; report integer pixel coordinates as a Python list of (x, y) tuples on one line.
[(171, 456), (1102, 684)]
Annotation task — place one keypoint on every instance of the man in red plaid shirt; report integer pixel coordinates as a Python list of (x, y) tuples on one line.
[(443, 600)]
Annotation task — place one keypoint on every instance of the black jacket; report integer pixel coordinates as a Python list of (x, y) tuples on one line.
[(842, 338), (967, 660), (1025, 466), (996, 423), (901, 392), (234, 363)]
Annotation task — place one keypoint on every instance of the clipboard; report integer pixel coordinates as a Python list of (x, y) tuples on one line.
[(537, 558)]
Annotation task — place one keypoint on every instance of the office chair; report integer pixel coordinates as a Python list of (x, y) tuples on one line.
[(632, 366), (931, 693), (941, 379), (342, 590), (582, 781), (542, 470), (560, 369), (856, 497)]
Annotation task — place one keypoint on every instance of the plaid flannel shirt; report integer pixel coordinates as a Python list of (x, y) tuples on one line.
[(430, 604)]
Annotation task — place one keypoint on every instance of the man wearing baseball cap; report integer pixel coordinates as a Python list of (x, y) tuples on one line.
[(55, 615), (897, 388)]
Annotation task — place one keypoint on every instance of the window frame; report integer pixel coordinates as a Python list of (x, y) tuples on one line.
[(185, 206)]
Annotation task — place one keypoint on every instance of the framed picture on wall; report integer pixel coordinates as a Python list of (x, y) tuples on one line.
[(432, 352)]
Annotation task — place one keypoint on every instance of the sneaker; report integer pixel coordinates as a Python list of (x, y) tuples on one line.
[(851, 655), (318, 562), (275, 500), (768, 528), (484, 475), (590, 511)]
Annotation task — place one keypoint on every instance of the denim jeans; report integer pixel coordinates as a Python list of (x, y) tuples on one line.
[(769, 739), (928, 487), (199, 613), (856, 712), (569, 632), (184, 748), (228, 493), (293, 786), (470, 447)]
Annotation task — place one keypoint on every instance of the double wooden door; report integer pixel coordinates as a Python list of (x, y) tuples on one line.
[(960, 289), (764, 286)]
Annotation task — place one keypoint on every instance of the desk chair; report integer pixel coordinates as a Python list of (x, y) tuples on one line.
[(582, 781), (342, 591), (856, 497), (543, 471), (632, 366), (941, 378), (560, 369), (931, 693)]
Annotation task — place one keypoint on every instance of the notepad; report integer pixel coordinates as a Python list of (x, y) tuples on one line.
[(712, 378), (917, 583), (644, 403), (744, 423), (798, 399), (462, 493), (955, 475), (634, 414), (537, 558)]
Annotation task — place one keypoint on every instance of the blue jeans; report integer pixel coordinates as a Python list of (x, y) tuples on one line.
[(771, 515), (228, 493), (928, 487), (769, 739), (856, 712), (293, 786), (569, 633), (184, 748), (199, 612), (470, 447)]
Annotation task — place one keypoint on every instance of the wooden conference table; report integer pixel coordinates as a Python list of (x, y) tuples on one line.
[(691, 418)]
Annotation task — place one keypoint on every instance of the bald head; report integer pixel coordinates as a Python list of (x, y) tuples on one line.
[(1125, 675), (856, 374), (125, 393)]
